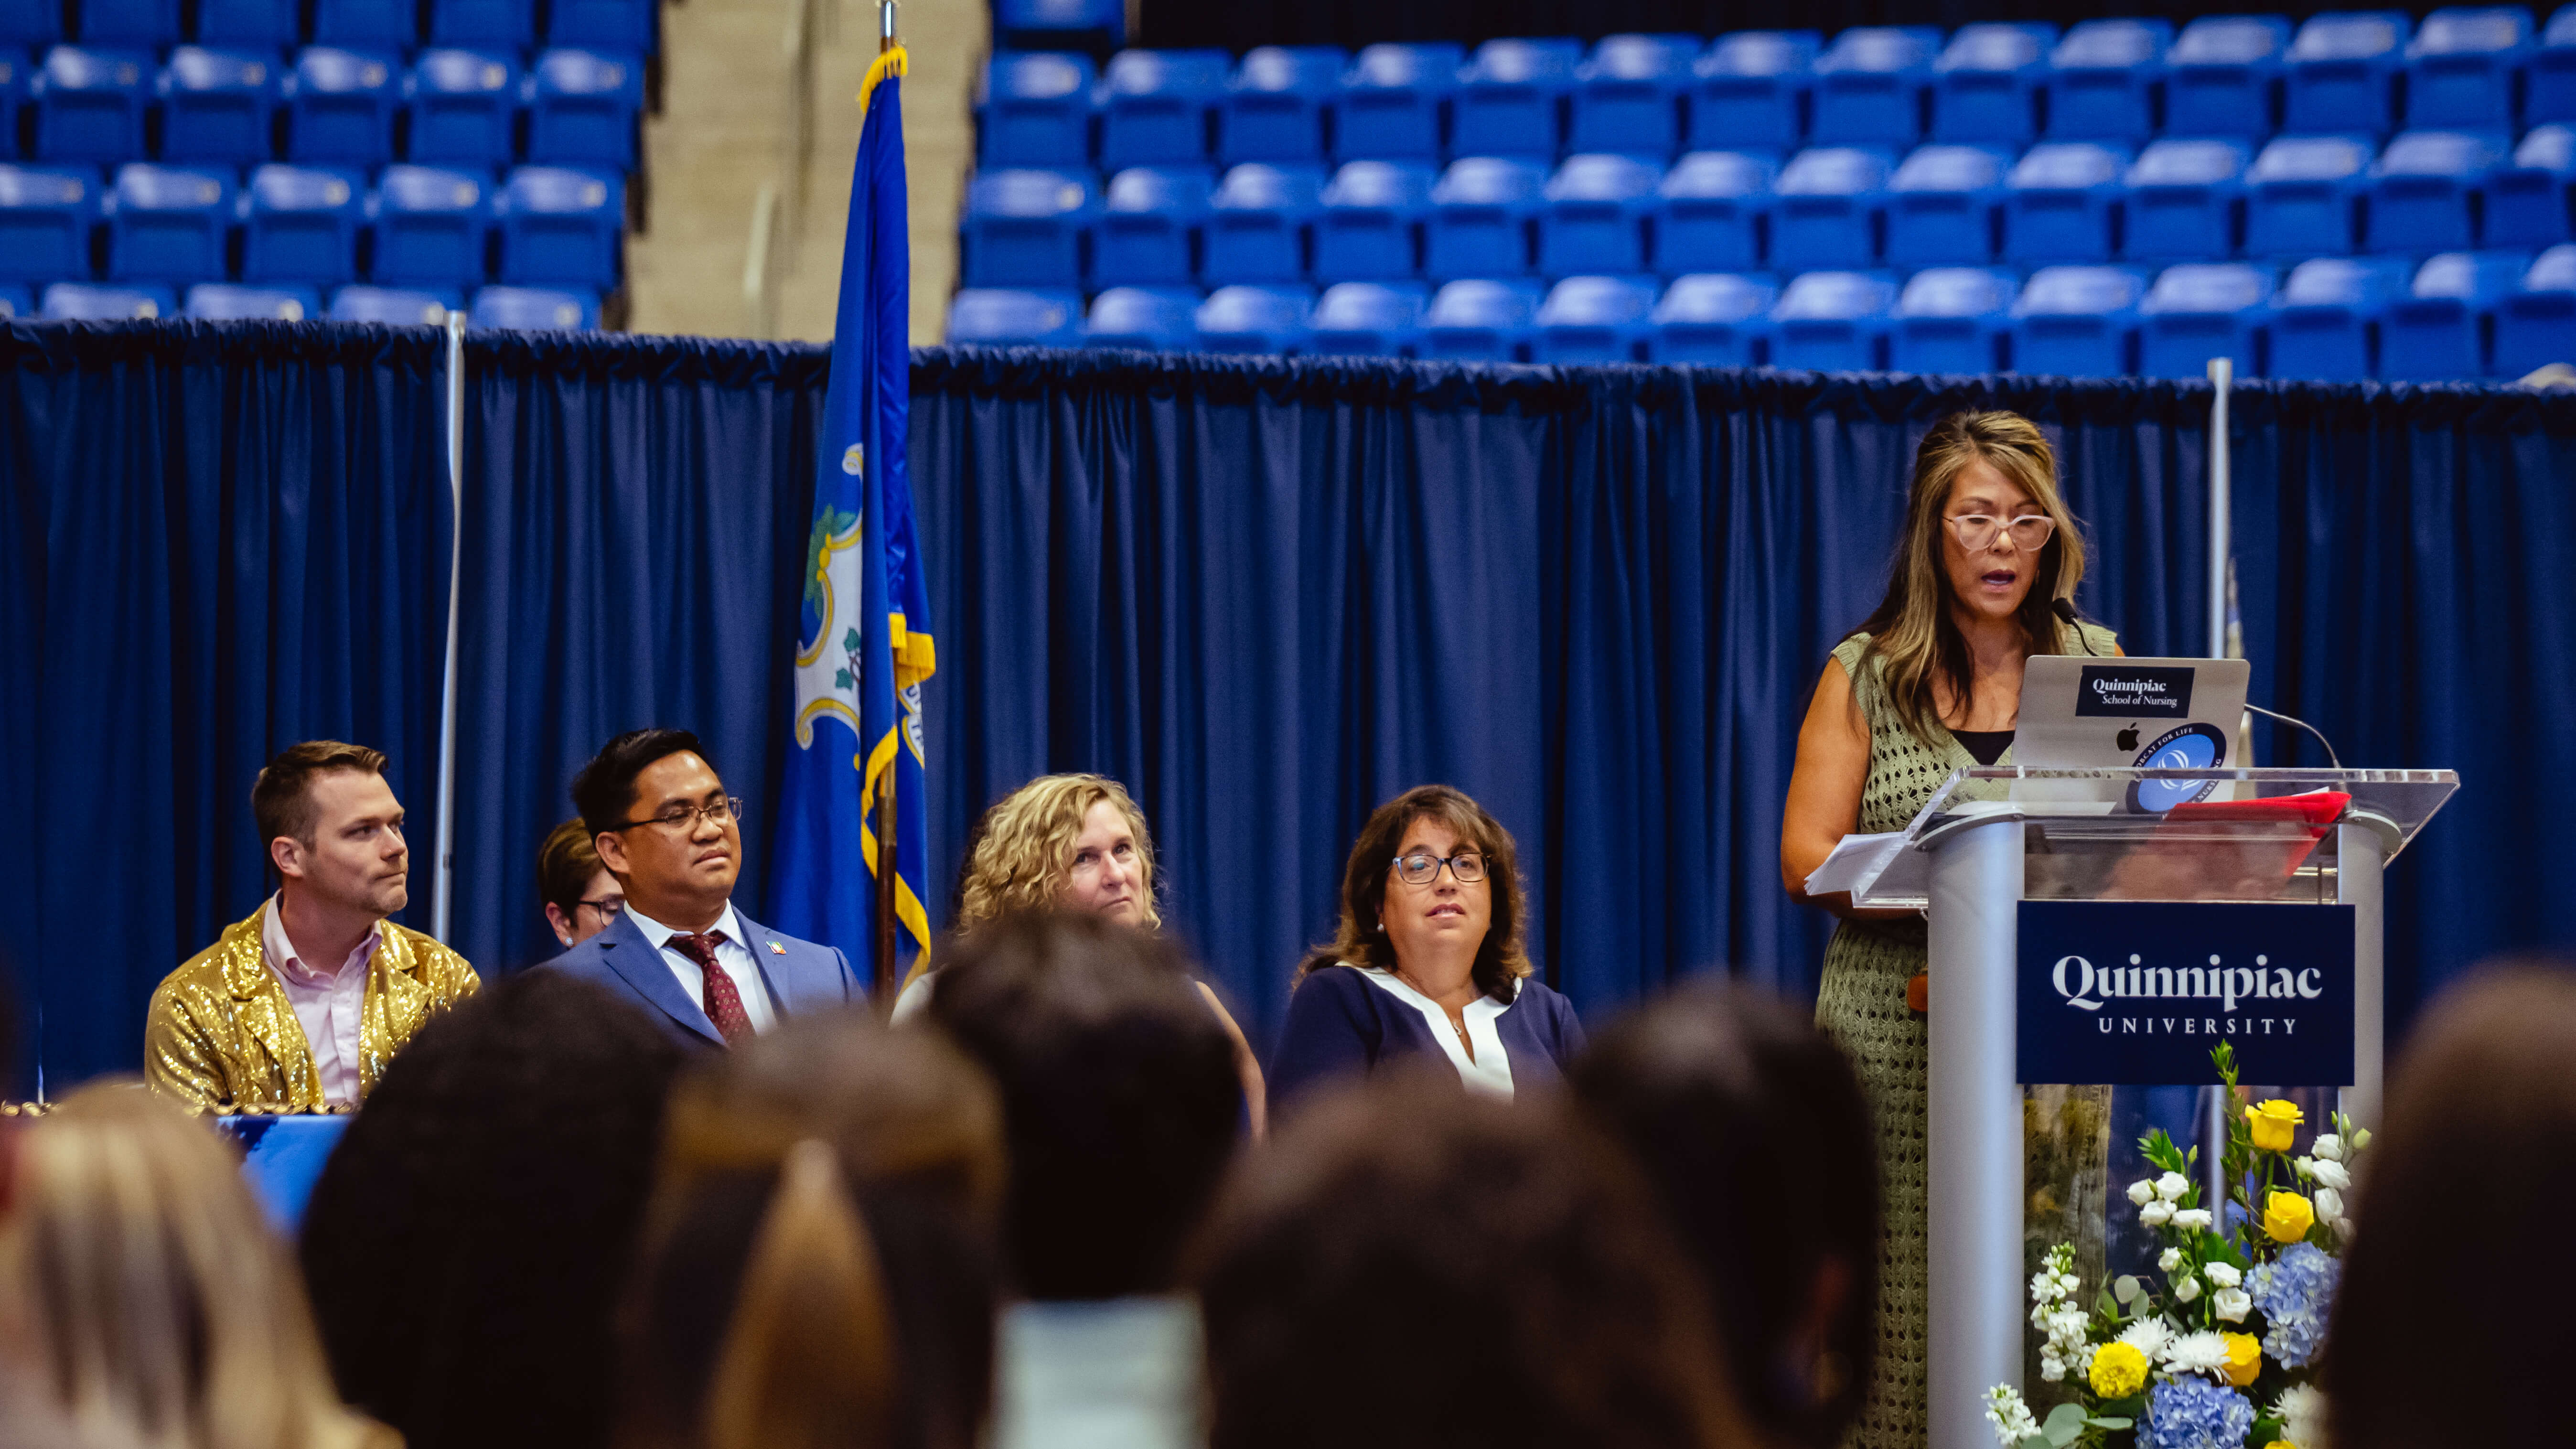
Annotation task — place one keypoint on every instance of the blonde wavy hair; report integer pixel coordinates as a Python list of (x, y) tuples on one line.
[(1023, 850)]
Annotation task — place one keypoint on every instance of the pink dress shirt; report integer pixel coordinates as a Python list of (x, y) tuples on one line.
[(327, 1006)]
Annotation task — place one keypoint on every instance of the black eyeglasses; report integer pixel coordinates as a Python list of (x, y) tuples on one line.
[(609, 907), (684, 818), (1466, 867)]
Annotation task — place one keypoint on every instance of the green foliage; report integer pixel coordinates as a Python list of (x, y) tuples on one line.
[(829, 523)]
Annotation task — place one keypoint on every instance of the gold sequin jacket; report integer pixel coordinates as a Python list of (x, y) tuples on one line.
[(221, 1035)]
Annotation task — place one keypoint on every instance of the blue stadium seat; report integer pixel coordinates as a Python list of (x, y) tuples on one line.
[(1036, 110), (301, 224), (1483, 211), (15, 75), (89, 103), (1594, 319), (1716, 212), (2439, 330), (2530, 202), (2201, 310), (1253, 318), (31, 23), (392, 306), (2552, 96), (15, 302), (2464, 67), (2428, 188), (1481, 320), (533, 309), (481, 24), (1942, 207), (1511, 98), (2223, 76), (1715, 319), (582, 107), (624, 27), (2077, 322), (1144, 319), (270, 24), (1833, 322), (1371, 319), (2060, 202), (1156, 107), (168, 223), (430, 226), (1986, 83), (1276, 101), (217, 105), (83, 302), (1060, 24), (1150, 227), (366, 24), (1028, 228), (231, 302), (2186, 200), (462, 104), (151, 23), (1261, 222), (1871, 85), (2325, 319), (2302, 196), (1825, 208), (1012, 317), (1753, 90), (2340, 74), (1954, 319), (1627, 95), (340, 107), (1371, 226), (561, 227), (46, 216), (2105, 78), (1596, 216), (2535, 324), (1391, 102)]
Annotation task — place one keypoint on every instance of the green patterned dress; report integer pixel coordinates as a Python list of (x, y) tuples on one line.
[(1861, 1003)]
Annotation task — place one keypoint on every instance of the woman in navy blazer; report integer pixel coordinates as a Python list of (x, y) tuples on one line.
[(1429, 960)]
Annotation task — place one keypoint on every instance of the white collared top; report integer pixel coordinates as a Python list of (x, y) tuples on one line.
[(733, 953), (1491, 1068), (329, 1006)]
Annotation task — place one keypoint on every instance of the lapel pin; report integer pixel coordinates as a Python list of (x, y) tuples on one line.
[(777, 950)]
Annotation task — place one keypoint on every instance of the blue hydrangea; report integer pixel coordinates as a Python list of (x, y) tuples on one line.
[(2193, 1413), (2295, 1292)]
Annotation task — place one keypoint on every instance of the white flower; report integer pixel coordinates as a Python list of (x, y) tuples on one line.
[(2204, 1352), (2169, 1259), (2231, 1304), (2329, 1204), (2302, 1412), (2222, 1275), (2186, 1288), (2140, 1191), (2328, 1147), (2010, 1416), (2191, 1220), (2043, 1286), (2172, 1186), (2330, 1174), (2156, 1214), (2052, 1368), (2148, 1336)]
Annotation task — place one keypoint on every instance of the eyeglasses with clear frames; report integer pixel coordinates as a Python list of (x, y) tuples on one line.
[(2030, 532), (1466, 868), (684, 818)]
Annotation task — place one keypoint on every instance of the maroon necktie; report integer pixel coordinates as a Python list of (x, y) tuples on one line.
[(722, 998)]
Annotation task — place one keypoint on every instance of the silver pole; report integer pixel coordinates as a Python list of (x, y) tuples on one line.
[(2222, 373), (2360, 857), (442, 889)]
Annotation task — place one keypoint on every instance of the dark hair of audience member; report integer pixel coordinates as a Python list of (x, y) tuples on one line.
[(817, 1266), (1119, 1096), (604, 789), (2447, 1326), (1755, 1135), (467, 1242), (1411, 1267)]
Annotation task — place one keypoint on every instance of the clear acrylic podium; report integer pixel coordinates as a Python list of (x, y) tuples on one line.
[(1992, 839)]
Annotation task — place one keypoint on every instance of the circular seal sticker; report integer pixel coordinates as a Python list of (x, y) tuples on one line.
[(2185, 747)]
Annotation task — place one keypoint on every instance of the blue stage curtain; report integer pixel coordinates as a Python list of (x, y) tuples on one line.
[(217, 541)]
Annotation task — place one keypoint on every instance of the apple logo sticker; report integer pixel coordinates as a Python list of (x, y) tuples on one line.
[(2127, 738)]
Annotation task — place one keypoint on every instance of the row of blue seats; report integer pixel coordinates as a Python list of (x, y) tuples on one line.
[(414, 226), (2461, 315), (2199, 199), (548, 308), (330, 105), (618, 25), (1658, 95)]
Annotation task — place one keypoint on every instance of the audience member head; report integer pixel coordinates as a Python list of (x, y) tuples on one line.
[(663, 825), (1119, 1096), (146, 1286), (1754, 1133), (581, 896), (1074, 842), (817, 1266), (467, 1243), (1432, 871), (332, 829), (1411, 1267), (2446, 1329)]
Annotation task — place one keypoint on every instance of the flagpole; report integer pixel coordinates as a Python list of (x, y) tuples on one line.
[(889, 856)]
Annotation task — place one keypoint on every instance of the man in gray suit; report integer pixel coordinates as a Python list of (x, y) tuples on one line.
[(710, 975)]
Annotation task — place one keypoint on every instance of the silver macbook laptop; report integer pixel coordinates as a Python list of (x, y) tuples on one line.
[(2079, 712)]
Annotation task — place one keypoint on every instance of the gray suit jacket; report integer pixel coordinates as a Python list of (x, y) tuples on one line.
[(801, 976)]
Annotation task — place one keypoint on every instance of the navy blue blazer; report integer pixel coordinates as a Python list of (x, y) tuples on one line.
[(801, 976), (1340, 1023)]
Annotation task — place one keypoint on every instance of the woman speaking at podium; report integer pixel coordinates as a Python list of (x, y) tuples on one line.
[(1929, 684)]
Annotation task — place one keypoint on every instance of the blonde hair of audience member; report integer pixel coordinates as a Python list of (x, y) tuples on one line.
[(1074, 842), (156, 1306), (865, 1168)]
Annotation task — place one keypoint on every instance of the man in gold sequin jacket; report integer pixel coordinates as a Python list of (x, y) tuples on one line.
[(300, 1007)]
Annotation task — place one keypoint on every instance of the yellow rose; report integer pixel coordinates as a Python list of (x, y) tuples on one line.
[(2287, 1217), (2244, 1358), (2275, 1124), (2119, 1370)]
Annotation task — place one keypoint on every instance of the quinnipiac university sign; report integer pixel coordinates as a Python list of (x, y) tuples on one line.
[(2136, 993)]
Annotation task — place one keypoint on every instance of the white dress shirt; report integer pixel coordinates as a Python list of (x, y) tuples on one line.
[(1491, 1068), (733, 953), (328, 1005)]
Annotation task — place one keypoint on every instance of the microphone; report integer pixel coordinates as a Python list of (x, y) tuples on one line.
[(2065, 609)]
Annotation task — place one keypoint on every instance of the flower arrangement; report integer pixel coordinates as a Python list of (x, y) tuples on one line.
[(2223, 1355)]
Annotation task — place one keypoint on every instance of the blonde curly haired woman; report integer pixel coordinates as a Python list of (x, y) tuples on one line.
[(1073, 843)]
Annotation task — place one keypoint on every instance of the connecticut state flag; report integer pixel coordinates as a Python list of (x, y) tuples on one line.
[(864, 644)]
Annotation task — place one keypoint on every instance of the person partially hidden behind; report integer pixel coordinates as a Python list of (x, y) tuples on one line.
[(665, 828), (580, 896), (300, 1007)]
